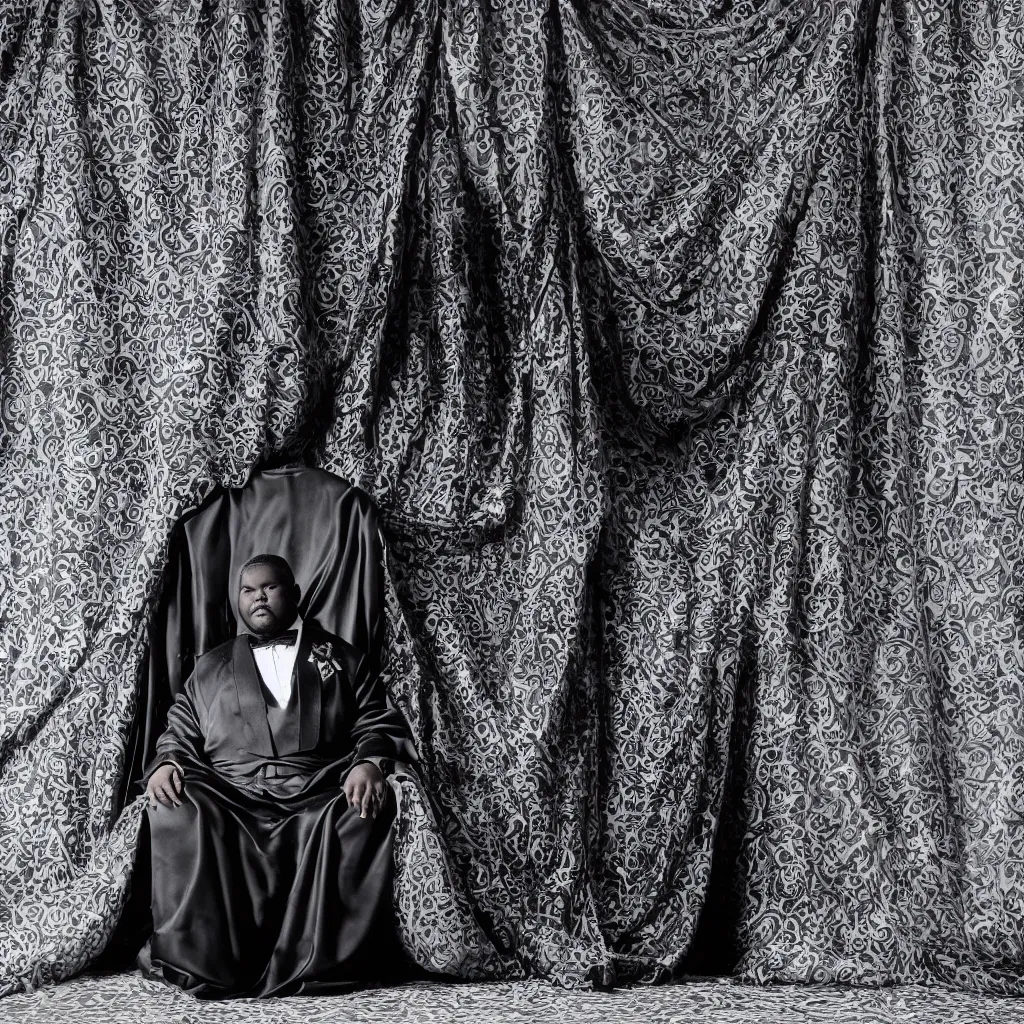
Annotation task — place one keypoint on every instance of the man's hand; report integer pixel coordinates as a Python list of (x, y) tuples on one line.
[(165, 785), (364, 789)]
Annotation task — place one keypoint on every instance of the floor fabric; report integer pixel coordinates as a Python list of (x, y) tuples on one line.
[(130, 999)]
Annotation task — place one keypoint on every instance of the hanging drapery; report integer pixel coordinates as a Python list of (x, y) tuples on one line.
[(679, 348)]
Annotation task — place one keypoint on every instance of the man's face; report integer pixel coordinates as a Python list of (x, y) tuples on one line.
[(267, 600)]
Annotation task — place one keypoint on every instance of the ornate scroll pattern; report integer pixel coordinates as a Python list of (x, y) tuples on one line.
[(678, 345)]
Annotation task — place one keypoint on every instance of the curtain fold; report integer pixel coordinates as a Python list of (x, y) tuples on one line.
[(679, 347)]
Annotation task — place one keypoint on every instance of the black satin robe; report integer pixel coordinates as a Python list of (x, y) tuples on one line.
[(265, 881)]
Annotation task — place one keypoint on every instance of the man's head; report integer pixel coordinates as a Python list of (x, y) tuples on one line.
[(268, 597)]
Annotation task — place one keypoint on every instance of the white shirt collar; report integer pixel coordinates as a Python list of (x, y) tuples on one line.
[(276, 663)]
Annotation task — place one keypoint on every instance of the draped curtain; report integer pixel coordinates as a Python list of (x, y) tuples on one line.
[(679, 345)]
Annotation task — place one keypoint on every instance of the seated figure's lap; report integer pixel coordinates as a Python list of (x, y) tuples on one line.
[(206, 809), (171, 827)]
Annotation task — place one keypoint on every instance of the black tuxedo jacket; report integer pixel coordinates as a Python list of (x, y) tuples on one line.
[(219, 722)]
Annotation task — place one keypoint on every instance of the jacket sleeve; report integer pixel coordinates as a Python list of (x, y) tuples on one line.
[(378, 730), (182, 741)]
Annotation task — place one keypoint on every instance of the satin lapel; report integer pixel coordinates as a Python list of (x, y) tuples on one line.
[(307, 682), (250, 699)]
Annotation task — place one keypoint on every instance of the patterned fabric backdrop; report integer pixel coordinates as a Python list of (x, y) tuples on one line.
[(680, 345)]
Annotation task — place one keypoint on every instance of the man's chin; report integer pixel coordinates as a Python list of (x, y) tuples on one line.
[(263, 625)]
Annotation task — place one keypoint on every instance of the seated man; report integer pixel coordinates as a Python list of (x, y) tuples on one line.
[(268, 809)]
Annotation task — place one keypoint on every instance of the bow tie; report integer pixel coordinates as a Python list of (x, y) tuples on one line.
[(285, 639)]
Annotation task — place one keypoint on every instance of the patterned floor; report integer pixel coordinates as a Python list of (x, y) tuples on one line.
[(130, 999)]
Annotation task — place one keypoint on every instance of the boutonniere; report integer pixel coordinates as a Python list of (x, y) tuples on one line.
[(322, 655)]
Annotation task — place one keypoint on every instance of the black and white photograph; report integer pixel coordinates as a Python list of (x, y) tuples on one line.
[(512, 511)]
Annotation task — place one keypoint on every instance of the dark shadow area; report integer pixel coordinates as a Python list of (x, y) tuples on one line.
[(715, 949)]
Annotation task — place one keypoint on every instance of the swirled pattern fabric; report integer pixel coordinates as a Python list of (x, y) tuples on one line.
[(122, 998), (679, 345)]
